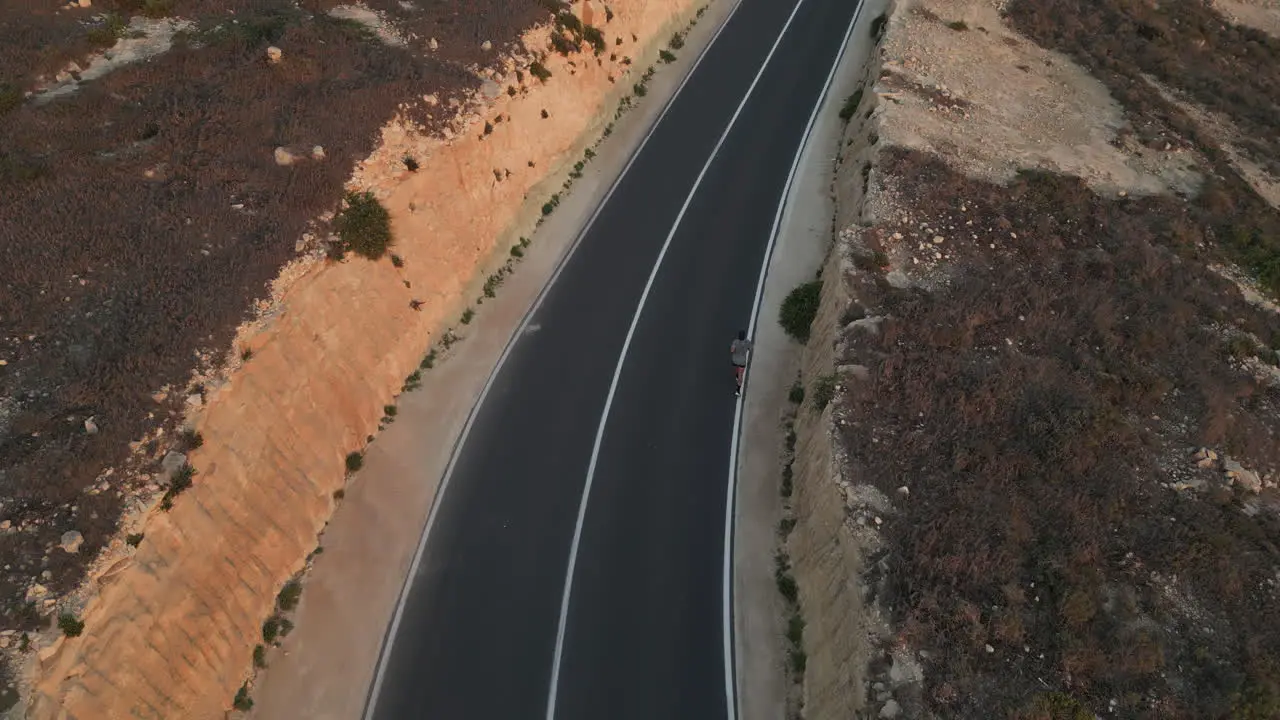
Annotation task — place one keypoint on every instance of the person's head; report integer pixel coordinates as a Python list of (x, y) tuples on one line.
[(742, 334)]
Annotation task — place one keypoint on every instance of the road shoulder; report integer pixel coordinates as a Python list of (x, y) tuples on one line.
[(804, 238)]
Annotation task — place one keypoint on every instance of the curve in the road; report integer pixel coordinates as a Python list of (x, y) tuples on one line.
[(638, 633), (617, 373)]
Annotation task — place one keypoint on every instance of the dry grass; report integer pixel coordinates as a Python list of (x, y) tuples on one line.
[(1037, 404), (141, 216)]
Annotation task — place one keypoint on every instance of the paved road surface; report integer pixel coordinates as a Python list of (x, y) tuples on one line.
[(643, 637)]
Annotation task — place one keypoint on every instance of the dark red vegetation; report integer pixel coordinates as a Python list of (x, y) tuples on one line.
[(1187, 46), (141, 216), (1037, 407)]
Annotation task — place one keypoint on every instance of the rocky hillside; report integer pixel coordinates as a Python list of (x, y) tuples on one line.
[(174, 279), (1049, 321)]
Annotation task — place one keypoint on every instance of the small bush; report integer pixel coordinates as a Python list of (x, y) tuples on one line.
[(824, 388), (133, 539), (640, 90), (786, 584), (562, 44), (467, 316), (397, 261), (595, 37), (179, 483), (666, 56), (286, 625), (958, 25), (785, 526), (69, 625), (289, 596), (877, 26), (355, 461), (796, 396), (677, 41), (390, 410), (365, 226), (851, 104), (113, 28), (192, 439), (243, 702), (259, 656), (787, 486), (339, 494), (798, 660), (517, 251), (795, 629), (428, 360), (246, 354), (799, 310), (271, 630)]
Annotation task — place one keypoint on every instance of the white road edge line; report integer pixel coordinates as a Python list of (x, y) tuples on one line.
[(371, 703), (622, 358), (731, 497)]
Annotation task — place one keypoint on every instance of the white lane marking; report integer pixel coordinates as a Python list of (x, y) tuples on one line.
[(371, 703), (617, 373), (731, 496)]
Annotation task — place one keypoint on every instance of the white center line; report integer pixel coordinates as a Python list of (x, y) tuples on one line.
[(526, 325), (617, 372)]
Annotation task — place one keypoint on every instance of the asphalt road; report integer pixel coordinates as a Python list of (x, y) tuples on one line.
[(643, 637)]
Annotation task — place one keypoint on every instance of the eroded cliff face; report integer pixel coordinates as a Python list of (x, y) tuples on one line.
[(170, 627)]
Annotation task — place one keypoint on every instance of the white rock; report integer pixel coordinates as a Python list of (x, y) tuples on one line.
[(171, 462), (90, 426), (433, 44), (486, 46), (317, 152), (989, 649), (36, 591), (904, 490), (71, 541), (284, 157), (938, 239), (891, 709), (274, 54)]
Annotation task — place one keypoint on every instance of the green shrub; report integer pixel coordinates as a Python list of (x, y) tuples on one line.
[(799, 310), (796, 396), (243, 702), (289, 595), (133, 539), (355, 461), (69, 625), (666, 56), (877, 26), (850, 106), (595, 37), (179, 483), (271, 629), (677, 41), (364, 226), (958, 25), (192, 439), (824, 389), (467, 316), (259, 656), (541, 72)]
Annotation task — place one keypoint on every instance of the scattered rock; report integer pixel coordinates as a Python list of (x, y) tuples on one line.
[(90, 426), (855, 372), (274, 55), (988, 648), (898, 279), (486, 46), (904, 490), (431, 100), (36, 591), (195, 400), (5, 525), (433, 44), (938, 239), (284, 157), (85, 3), (890, 709), (490, 89), (171, 462), (317, 152), (869, 325), (71, 541), (1247, 479)]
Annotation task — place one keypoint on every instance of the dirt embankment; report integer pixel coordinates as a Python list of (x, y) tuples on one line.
[(490, 112), (1049, 465)]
